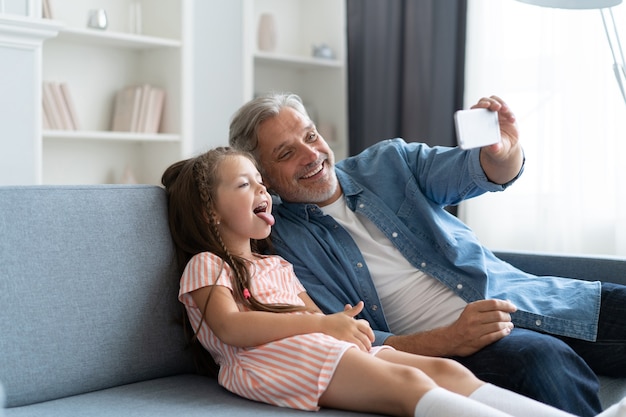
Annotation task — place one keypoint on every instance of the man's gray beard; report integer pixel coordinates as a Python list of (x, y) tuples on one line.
[(315, 196), (319, 196)]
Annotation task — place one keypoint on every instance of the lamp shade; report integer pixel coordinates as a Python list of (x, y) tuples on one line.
[(573, 4)]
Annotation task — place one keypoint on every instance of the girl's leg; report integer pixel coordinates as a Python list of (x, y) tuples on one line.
[(455, 377), (446, 373), (366, 383)]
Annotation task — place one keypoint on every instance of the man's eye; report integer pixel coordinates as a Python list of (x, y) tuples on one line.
[(312, 136), (284, 155)]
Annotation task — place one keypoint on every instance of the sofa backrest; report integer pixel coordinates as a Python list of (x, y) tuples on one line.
[(88, 290)]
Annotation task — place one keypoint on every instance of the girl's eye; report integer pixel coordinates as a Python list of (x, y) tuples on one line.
[(245, 184)]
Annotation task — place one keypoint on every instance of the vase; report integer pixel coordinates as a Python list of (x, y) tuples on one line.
[(267, 33), (97, 19)]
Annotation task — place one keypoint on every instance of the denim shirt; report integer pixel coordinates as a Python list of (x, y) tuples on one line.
[(403, 189)]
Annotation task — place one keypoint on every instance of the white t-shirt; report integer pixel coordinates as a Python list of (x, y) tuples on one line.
[(412, 300)]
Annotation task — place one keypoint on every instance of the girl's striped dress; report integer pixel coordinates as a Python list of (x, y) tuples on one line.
[(292, 372)]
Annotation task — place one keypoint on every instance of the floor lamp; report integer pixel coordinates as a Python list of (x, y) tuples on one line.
[(619, 65)]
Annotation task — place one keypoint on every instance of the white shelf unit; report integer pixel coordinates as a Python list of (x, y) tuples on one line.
[(95, 64), (320, 82), (21, 44)]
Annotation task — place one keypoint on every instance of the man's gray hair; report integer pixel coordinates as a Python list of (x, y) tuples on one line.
[(243, 134)]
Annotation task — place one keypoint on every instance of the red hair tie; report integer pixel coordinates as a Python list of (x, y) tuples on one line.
[(246, 293)]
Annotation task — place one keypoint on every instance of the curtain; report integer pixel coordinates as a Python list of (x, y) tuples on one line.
[(554, 67), (405, 70)]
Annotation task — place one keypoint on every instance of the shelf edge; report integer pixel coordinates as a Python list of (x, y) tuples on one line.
[(110, 136), (129, 40)]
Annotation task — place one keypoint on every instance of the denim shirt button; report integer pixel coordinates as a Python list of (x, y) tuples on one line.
[(538, 322), (423, 264), (394, 234), (459, 286), (359, 265), (374, 307), (361, 205)]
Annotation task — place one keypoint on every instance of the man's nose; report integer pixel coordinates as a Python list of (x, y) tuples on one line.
[(309, 153)]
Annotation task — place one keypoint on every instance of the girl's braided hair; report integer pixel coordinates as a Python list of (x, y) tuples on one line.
[(190, 187)]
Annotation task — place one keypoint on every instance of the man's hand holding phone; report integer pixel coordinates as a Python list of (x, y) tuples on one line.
[(476, 128)]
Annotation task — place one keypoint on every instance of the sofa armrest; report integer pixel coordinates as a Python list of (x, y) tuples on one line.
[(587, 267)]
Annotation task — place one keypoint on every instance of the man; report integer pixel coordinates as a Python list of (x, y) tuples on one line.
[(374, 228)]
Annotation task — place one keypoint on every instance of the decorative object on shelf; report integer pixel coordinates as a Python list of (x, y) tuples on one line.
[(97, 19), (138, 109), (323, 51), (59, 112), (619, 62), (267, 32)]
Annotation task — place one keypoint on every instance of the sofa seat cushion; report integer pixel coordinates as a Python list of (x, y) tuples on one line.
[(182, 395), (612, 390)]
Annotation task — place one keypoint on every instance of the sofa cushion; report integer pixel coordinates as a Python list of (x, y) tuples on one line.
[(88, 285), (183, 395)]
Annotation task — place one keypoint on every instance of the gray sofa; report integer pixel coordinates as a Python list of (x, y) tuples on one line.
[(89, 319)]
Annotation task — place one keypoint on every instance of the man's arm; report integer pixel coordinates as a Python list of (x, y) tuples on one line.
[(480, 324), (503, 161)]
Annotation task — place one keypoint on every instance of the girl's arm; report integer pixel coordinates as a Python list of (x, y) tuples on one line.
[(309, 303), (254, 328)]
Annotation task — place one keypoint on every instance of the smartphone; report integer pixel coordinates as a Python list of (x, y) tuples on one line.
[(476, 128)]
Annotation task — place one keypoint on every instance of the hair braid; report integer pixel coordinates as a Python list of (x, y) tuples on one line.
[(190, 187)]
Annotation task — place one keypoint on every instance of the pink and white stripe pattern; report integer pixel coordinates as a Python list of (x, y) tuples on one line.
[(292, 372)]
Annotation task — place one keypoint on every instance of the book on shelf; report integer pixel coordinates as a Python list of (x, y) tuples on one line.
[(46, 10), (59, 112), (46, 125), (138, 108), (69, 105)]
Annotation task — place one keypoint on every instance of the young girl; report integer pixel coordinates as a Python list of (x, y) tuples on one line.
[(268, 337)]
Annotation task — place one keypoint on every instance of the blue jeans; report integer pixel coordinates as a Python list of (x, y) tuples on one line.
[(539, 366), (556, 370), (607, 355)]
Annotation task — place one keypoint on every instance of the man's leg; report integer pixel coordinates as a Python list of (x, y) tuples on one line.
[(541, 367), (606, 355)]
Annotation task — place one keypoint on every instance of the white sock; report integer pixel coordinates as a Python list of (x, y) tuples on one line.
[(440, 402), (514, 404), (616, 410)]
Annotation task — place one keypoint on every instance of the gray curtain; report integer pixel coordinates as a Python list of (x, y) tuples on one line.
[(405, 70)]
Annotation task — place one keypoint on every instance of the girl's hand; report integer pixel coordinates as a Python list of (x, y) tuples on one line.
[(343, 326)]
